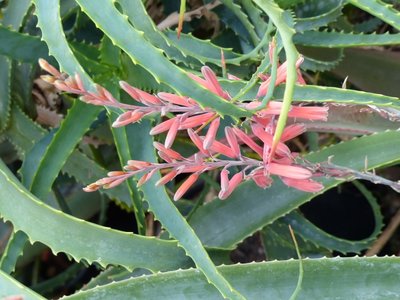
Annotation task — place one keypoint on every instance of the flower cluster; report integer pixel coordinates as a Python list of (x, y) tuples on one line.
[(244, 152)]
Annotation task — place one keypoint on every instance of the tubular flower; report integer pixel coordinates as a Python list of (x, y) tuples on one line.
[(242, 155)]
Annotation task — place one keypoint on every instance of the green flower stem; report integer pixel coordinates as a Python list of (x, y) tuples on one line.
[(286, 33)]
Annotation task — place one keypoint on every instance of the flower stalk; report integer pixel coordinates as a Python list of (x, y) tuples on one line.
[(243, 154)]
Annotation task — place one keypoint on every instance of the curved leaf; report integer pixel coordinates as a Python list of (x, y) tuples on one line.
[(336, 278), (81, 239), (381, 10), (327, 11), (341, 40), (10, 287), (14, 45)]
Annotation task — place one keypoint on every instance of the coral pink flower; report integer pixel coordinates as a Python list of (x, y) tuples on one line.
[(211, 133), (228, 186), (185, 186), (306, 185), (280, 78), (202, 124)]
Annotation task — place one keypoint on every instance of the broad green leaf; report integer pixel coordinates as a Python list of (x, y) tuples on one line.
[(323, 94), (23, 133), (315, 14), (381, 10), (15, 12), (238, 12), (341, 40), (81, 239), (13, 251), (352, 120), (371, 70), (10, 287), (216, 223), (14, 45), (278, 243), (336, 278)]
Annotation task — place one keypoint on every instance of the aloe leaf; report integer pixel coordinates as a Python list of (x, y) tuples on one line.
[(91, 242), (23, 133), (5, 97), (314, 64), (310, 93), (238, 11), (256, 16), (278, 243), (180, 50), (13, 251), (319, 237), (61, 147), (113, 274), (254, 208), (15, 12), (14, 44), (337, 278), (334, 39), (9, 287), (12, 17), (358, 63), (352, 120), (79, 117), (312, 233), (203, 48), (143, 53), (141, 144), (326, 12), (381, 10), (323, 94), (109, 53)]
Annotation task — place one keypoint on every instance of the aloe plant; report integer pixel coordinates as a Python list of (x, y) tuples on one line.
[(227, 98)]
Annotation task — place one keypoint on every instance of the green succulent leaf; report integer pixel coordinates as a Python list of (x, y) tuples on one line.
[(81, 239), (10, 287), (332, 39), (381, 10), (323, 13), (336, 278)]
